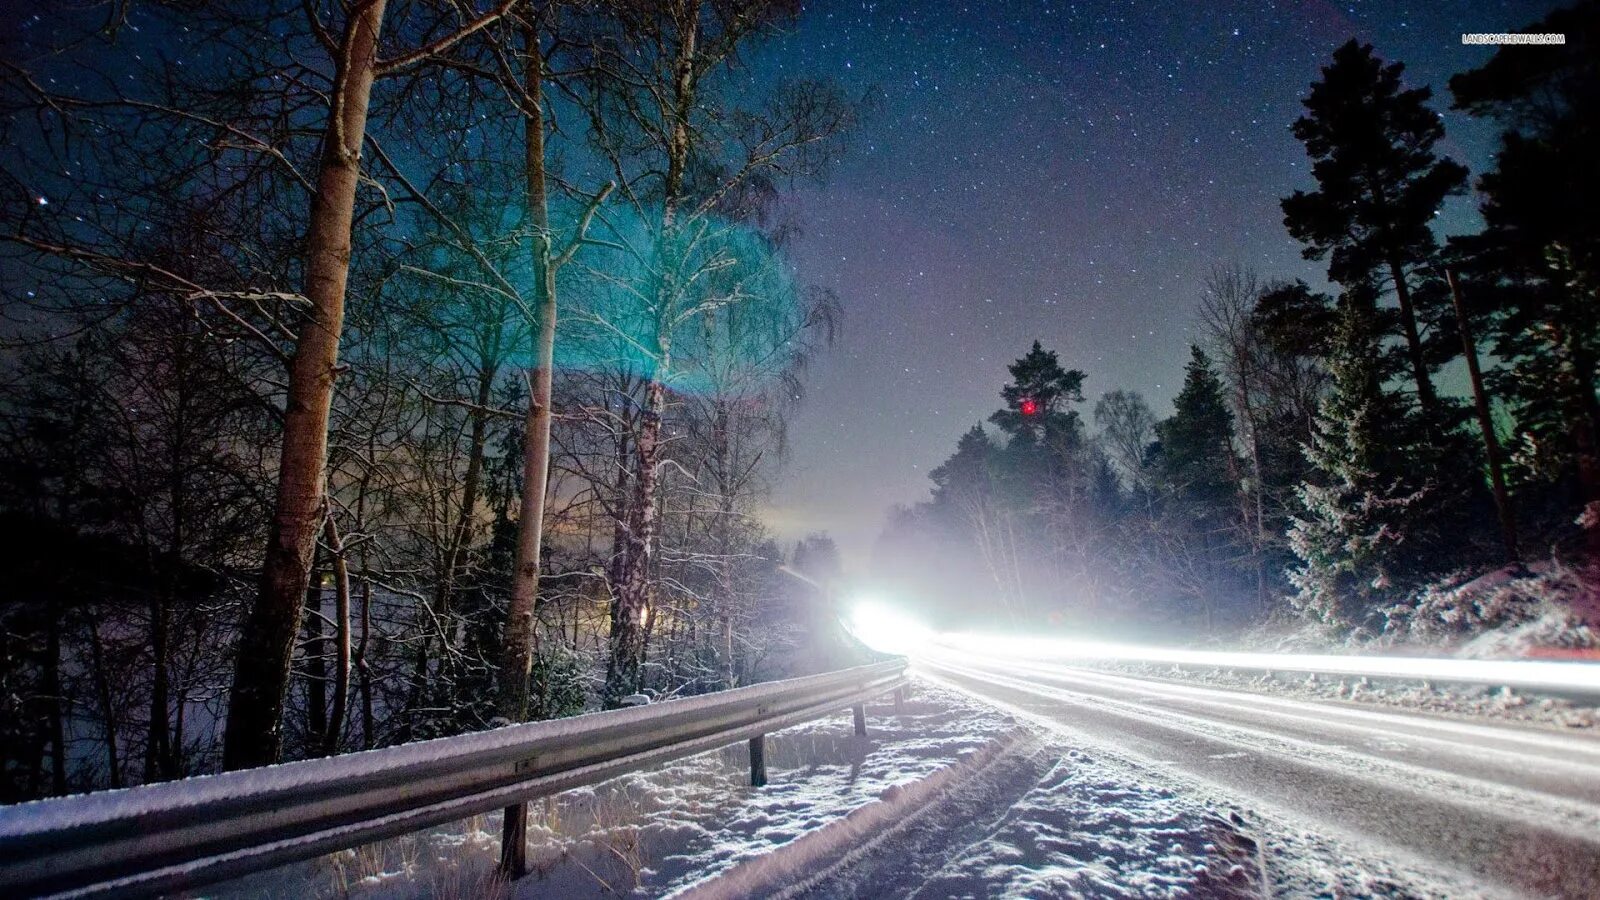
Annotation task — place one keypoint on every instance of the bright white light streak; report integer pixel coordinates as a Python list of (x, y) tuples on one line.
[(1547, 675), (886, 630)]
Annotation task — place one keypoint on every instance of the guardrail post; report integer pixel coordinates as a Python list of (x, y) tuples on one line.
[(758, 761), (514, 842), (899, 700), (860, 709)]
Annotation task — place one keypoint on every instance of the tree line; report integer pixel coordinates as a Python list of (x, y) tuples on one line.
[(1312, 467), (383, 370)]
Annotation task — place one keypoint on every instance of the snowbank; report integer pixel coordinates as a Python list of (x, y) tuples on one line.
[(1543, 610)]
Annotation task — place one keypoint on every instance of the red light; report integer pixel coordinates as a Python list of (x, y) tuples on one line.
[(1028, 406)]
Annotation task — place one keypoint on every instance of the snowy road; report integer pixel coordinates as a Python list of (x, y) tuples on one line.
[(1010, 779), (1502, 808)]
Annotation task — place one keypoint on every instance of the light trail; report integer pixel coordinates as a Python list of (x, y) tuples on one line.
[(1564, 677), (1510, 743), (883, 628), (1486, 807)]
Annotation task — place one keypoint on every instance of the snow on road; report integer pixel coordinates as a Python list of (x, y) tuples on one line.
[(1418, 805), (1046, 818)]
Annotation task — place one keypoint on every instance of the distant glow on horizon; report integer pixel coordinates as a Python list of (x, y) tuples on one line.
[(1520, 673), (887, 630)]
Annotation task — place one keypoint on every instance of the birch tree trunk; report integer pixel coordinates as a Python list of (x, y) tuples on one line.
[(629, 608), (516, 668), (517, 665), (631, 604), (253, 735)]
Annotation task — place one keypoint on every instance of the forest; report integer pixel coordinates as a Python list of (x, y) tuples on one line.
[(385, 370), (1347, 458)]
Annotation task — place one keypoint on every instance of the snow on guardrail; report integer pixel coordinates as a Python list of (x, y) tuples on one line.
[(176, 835)]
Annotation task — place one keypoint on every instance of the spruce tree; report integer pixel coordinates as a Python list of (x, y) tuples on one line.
[(969, 471), (1351, 537), (1201, 523), (1197, 458)]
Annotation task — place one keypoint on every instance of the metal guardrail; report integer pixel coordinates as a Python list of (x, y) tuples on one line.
[(180, 834)]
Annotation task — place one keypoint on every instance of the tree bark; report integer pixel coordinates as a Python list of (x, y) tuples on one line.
[(520, 636), (517, 666), (461, 535), (316, 663), (52, 686), (631, 604), (1426, 396), (158, 747), (341, 622), (253, 735), (368, 719), (723, 468), (108, 706), (1491, 441)]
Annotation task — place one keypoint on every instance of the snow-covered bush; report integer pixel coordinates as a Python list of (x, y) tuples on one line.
[(1507, 611)]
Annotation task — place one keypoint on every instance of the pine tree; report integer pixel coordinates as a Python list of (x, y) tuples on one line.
[(1379, 185), (1037, 410), (1035, 512), (1537, 261)]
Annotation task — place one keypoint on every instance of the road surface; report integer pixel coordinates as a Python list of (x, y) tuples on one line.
[(1125, 787), (1513, 808)]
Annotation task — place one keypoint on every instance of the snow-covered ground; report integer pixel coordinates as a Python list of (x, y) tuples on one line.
[(957, 797), (654, 832), (1037, 814), (952, 798)]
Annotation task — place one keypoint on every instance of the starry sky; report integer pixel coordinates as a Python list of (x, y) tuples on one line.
[(1066, 172)]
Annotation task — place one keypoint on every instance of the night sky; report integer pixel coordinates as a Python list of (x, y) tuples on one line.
[(1066, 172)]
